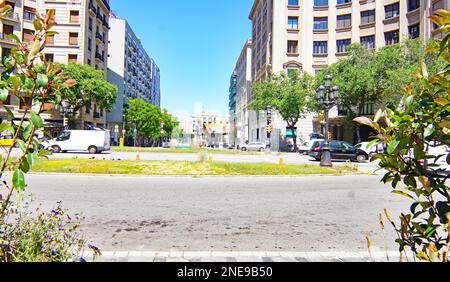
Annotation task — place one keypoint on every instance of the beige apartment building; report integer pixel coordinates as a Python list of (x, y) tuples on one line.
[(312, 34), (82, 37)]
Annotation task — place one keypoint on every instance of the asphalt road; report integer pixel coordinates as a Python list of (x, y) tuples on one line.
[(314, 214)]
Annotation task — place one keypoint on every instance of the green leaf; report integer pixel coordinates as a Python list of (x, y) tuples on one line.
[(392, 146), (9, 112), (15, 82), (404, 194), (22, 145), (25, 166), (429, 131), (37, 24), (4, 93), (32, 158), (36, 120), (442, 101), (27, 131), (4, 127), (42, 80), (13, 37), (19, 180)]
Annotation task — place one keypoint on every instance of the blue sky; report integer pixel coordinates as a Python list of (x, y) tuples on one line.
[(195, 43)]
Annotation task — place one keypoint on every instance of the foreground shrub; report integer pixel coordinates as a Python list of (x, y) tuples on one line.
[(41, 236)]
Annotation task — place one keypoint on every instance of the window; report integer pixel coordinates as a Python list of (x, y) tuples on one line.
[(293, 22), (320, 47), (368, 41), (73, 38), (320, 3), (292, 47), (74, 16), (392, 37), (8, 29), (342, 45), (414, 31), (413, 5), (5, 52), (50, 40), (28, 35), (73, 58), (344, 21), (368, 17), (49, 57), (391, 11), (343, 1), (29, 14), (321, 23), (293, 2)]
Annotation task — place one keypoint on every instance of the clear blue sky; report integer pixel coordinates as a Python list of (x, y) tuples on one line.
[(195, 43)]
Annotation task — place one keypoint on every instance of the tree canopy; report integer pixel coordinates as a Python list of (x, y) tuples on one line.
[(287, 94), (90, 88), (147, 118)]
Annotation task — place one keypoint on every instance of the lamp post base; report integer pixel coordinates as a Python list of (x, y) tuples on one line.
[(326, 159)]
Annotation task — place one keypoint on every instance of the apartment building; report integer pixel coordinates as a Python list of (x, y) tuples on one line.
[(206, 129), (310, 35), (232, 108), (82, 37), (131, 69), (243, 70)]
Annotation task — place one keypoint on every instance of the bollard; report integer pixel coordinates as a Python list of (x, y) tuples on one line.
[(210, 159), (281, 161), (138, 157)]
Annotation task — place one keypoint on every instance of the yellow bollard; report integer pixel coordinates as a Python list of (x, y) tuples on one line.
[(210, 159), (122, 143), (281, 161), (138, 157)]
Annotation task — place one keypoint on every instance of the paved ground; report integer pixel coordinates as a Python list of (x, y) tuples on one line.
[(247, 257), (184, 214)]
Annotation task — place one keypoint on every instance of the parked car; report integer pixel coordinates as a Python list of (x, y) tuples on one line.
[(305, 147), (253, 146), (316, 136), (92, 141), (339, 151), (374, 149)]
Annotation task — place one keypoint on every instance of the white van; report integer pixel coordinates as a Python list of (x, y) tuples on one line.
[(93, 141)]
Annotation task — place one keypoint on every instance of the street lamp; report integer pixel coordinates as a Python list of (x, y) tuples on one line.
[(328, 97), (162, 131)]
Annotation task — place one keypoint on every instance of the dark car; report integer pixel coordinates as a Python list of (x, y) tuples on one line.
[(340, 150)]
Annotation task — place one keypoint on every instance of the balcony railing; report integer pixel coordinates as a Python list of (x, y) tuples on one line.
[(92, 8), (100, 56), (12, 16), (4, 37)]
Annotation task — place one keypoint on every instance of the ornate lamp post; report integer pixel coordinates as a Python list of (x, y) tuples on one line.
[(328, 96)]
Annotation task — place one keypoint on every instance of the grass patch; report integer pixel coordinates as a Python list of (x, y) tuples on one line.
[(182, 151), (166, 168)]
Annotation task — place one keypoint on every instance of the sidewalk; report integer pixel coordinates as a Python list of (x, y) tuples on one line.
[(244, 257)]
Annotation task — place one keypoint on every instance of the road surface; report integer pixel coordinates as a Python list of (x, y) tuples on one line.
[(317, 214)]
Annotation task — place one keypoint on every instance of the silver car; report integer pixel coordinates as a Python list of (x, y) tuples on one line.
[(253, 146)]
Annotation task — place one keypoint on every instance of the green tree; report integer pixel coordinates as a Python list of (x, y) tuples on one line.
[(147, 119), (287, 94), (91, 88), (420, 122), (355, 78)]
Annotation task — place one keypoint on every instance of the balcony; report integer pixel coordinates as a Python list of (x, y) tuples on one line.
[(4, 39), (14, 17), (97, 115), (99, 56), (92, 8), (99, 37)]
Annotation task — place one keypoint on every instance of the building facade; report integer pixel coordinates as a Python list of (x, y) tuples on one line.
[(232, 108), (83, 28), (131, 69), (243, 93), (311, 35), (206, 129)]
